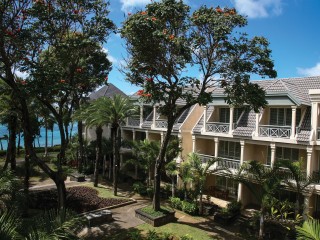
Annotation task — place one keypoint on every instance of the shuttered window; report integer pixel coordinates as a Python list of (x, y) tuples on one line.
[(283, 116), (229, 150)]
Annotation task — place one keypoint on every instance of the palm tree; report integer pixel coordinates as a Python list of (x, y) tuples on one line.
[(172, 171), (254, 173), (185, 175), (300, 182), (310, 230), (199, 172), (105, 111)]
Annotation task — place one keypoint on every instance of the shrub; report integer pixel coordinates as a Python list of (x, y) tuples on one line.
[(150, 192), (175, 203), (190, 207), (234, 206), (140, 188), (186, 237)]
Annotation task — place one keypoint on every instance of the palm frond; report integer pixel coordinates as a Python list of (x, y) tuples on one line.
[(310, 230)]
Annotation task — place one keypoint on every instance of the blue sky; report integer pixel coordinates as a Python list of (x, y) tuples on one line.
[(291, 26)]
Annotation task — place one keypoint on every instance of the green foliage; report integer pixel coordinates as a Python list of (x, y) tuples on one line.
[(150, 211), (186, 237), (234, 206), (310, 230), (9, 225), (190, 207), (176, 203), (140, 188)]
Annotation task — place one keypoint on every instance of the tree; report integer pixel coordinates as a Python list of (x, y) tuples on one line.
[(172, 171), (262, 182), (199, 172), (185, 175), (27, 28), (300, 182), (163, 40)]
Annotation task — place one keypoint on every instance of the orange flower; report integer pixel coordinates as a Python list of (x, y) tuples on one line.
[(62, 81), (232, 12), (140, 92), (219, 10), (149, 79), (75, 11), (143, 13), (171, 37), (153, 19), (79, 70), (148, 95)]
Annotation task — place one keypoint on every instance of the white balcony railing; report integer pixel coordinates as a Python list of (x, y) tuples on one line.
[(275, 131), (223, 162), (133, 122), (217, 127), (161, 124)]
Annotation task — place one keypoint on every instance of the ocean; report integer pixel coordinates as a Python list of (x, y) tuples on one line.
[(56, 137)]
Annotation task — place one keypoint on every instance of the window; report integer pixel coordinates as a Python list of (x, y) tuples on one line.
[(282, 153), (283, 116), (225, 114), (229, 150), (224, 183)]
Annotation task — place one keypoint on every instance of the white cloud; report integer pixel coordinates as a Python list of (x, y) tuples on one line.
[(128, 5), (258, 8), (313, 71)]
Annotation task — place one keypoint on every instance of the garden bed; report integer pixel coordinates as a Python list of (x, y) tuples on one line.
[(155, 218), (79, 199)]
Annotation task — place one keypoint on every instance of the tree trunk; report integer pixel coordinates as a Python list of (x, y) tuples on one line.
[(136, 171), (63, 146), (99, 131), (115, 161), (26, 182), (52, 137), (62, 193), (158, 166), (66, 129), (173, 187), (261, 230), (80, 140), (149, 178), (46, 139), (19, 140), (1, 146)]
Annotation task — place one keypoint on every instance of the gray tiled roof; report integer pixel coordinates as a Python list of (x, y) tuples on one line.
[(197, 128), (246, 124), (106, 91)]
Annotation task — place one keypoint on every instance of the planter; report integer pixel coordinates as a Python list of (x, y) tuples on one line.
[(224, 218), (77, 177), (155, 221)]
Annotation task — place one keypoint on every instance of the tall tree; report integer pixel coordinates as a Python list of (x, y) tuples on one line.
[(164, 39), (28, 27)]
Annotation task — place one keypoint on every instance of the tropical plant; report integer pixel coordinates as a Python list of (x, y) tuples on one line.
[(163, 39), (199, 172), (172, 171), (262, 182), (296, 180), (310, 230), (185, 175), (8, 225)]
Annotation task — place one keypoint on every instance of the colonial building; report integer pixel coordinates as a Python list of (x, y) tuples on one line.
[(286, 129)]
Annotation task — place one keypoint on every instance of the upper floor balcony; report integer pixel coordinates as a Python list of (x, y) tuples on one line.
[(222, 163), (274, 131)]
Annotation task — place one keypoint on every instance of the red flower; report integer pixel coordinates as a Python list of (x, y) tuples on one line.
[(62, 81), (153, 19), (75, 11), (149, 79), (129, 13), (171, 37), (143, 13), (148, 95), (23, 82), (219, 10), (106, 78), (79, 70), (140, 92)]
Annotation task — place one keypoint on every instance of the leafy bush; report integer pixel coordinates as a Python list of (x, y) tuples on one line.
[(190, 207), (234, 206), (175, 203), (186, 237), (140, 188), (150, 192)]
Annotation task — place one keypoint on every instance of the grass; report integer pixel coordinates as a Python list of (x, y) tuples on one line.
[(103, 191), (151, 212), (177, 229)]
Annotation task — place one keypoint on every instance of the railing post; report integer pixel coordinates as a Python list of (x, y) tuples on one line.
[(154, 116), (193, 143), (240, 186), (231, 120), (293, 122), (147, 135), (216, 146)]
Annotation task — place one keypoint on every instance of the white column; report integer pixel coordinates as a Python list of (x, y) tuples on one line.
[(193, 144), (162, 137), (309, 161), (231, 120), (134, 135), (205, 119), (314, 119), (273, 153), (256, 133), (293, 122), (154, 116), (147, 135), (141, 114), (240, 186), (216, 147)]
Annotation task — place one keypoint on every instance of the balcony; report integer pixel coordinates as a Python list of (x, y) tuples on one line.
[(275, 131), (161, 123), (223, 162), (133, 122), (217, 127)]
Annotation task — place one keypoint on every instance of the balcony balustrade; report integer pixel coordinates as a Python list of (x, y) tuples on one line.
[(275, 131), (223, 162), (135, 122), (217, 127), (161, 123)]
